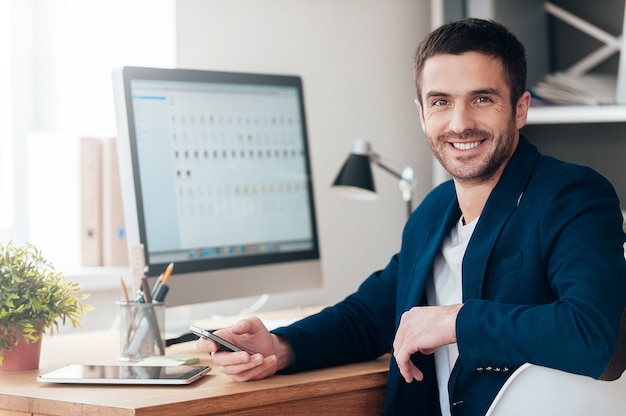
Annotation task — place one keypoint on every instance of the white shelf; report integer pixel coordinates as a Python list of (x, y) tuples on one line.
[(577, 114)]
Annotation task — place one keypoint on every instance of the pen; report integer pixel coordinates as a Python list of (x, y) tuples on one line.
[(148, 323), (145, 288), (161, 288)]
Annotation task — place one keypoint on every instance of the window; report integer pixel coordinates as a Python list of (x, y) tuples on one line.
[(58, 89), (6, 145)]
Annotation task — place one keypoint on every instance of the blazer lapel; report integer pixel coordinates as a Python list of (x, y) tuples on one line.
[(424, 260), (491, 221), (501, 204)]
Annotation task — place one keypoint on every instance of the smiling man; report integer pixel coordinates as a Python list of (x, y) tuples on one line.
[(519, 258)]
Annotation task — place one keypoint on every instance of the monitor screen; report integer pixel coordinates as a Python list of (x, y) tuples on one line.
[(216, 178)]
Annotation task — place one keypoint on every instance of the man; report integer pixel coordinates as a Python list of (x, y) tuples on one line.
[(519, 258)]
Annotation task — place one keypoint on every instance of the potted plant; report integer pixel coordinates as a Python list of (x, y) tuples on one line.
[(34, 299)]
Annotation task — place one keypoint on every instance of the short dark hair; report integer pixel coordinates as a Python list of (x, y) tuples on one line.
[(476, 35)]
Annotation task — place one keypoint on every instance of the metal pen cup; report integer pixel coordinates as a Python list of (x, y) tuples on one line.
[(142, 330)]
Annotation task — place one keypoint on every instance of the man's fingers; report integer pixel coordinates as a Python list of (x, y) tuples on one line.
[(257, 368), (206, 345), (410, 372), (247, 325), (236, 358), (242, 326), (416, 374)]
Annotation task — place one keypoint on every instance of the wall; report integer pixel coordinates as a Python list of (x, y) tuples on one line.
[(355, 60)]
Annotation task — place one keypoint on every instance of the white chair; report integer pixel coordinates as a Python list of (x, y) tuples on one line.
[(539, 391)]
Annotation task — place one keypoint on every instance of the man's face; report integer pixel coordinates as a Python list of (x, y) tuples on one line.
[(467, 115)]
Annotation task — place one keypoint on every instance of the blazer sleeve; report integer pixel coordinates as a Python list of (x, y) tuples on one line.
[(359, 328)]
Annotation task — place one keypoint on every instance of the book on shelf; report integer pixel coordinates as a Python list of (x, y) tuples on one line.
[(114, 251), (588, 89), (103, 239), (90, 201)]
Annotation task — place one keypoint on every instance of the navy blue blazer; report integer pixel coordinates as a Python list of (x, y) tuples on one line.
[(544, 281)]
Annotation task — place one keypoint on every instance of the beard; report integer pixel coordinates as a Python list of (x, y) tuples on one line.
[(471, 169)]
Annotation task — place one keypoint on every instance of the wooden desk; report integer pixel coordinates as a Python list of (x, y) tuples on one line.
[(347, 390)]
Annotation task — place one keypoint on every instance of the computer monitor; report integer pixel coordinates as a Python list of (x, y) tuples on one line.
[(216, 177)]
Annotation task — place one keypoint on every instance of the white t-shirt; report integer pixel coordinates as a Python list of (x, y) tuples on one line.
[(446, 288)]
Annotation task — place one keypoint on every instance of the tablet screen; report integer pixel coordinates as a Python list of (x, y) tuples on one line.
[(125, 374)]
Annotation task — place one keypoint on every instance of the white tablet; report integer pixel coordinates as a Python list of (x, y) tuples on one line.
[(125, 374)]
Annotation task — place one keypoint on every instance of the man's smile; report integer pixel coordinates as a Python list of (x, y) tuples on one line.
[(467, 145)]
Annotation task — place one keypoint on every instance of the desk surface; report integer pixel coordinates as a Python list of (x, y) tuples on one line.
[(347, 390)]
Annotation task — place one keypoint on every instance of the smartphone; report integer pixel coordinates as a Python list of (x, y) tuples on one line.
[(222, 344)]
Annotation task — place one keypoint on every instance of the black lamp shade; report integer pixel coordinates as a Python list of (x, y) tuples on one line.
[(356, 172)]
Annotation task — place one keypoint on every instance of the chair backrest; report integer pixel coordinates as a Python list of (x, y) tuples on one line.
[(539, 391)]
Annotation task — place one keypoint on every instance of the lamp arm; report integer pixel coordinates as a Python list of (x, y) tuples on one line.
[(407, 180), (386, 168), (407, 176)]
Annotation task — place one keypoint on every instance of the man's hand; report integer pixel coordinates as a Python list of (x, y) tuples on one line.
[(270, 352), (423, 329)]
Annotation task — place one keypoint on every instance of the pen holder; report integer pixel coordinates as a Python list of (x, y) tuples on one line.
[(142, 330)]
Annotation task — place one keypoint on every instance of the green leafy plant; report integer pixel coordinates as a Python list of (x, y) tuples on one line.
[(34, 298)]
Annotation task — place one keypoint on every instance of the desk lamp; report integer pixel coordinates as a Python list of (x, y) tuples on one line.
[(355, 177)]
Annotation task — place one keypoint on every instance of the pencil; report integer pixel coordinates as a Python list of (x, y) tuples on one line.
[(124, 291), (167, 274)]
